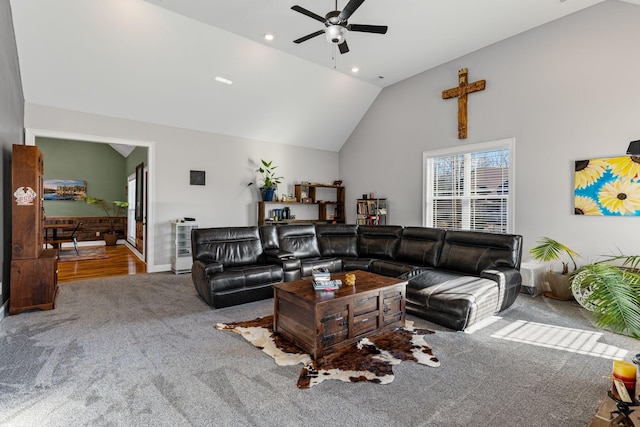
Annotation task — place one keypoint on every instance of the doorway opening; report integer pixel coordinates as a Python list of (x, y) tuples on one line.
[(145, 255)]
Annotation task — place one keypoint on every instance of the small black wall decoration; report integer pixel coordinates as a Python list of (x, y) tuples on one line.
[(197, 178)]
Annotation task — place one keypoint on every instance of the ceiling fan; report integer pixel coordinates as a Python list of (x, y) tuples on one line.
[(337, 25)]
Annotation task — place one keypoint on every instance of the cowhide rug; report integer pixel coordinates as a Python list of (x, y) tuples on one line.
[(371, 360)]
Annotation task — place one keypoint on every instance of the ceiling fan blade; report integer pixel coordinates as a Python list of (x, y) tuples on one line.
[(378, 29), (349, 9), (310, 14), (343, 47), (308, 36)]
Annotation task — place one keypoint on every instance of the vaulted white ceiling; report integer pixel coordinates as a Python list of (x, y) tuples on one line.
[(157, 60)]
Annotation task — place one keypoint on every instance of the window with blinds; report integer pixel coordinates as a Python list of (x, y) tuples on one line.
[(469, 190)]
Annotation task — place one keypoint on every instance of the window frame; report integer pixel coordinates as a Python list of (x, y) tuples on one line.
[(500, 144)]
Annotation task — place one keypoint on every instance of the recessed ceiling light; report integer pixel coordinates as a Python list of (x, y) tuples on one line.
[(269, 37), (223, 80), (355, 69)]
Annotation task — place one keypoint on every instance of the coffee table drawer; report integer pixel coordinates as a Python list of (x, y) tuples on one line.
[(392, 303), (335, 338), (392, 307), (365, 323), (335, 322), (393, 318), (365, 304)]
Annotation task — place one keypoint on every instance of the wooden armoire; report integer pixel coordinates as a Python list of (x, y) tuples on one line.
[(34, 270)]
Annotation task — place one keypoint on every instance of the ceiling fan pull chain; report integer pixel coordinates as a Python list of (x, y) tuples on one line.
[(333, 55)]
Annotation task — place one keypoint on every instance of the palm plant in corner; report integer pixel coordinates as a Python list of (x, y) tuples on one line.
[(610, 288), (112, 210), (552, 250)]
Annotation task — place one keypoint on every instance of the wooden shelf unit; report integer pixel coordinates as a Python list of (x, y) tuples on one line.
[(323, 206)]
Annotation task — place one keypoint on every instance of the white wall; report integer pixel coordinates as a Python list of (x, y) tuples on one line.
[(565, 91), (229, 163)]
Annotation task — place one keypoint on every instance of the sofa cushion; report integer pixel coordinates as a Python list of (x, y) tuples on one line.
[(299, 239), (230, 246), (349, 264), (421, 246), (390, 268), (472, 251), (378, 241), (453, 300), (338, 240), (236, 278)]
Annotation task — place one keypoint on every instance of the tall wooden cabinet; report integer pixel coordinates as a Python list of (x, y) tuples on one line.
[(34, 270)]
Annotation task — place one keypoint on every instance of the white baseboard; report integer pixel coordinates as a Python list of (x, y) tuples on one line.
[(159, 268)]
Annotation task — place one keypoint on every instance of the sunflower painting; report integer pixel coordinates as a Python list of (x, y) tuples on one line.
[(607, 186)]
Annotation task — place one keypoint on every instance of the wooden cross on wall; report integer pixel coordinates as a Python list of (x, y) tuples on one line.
[(461, 92)]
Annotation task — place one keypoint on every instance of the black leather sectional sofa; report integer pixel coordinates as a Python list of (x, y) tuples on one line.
[(455, 278)]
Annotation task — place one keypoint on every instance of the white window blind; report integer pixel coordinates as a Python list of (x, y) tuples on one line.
[(469, 190)]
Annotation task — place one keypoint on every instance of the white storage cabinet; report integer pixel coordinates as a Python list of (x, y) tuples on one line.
[(181, 260)]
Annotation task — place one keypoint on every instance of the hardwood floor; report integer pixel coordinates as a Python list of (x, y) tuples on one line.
[(120, 262)]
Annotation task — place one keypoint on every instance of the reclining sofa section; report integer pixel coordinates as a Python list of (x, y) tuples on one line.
[(455, 278)]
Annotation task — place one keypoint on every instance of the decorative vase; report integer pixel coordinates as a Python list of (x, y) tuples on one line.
[(560, 285), (110, 239), (267, 194)]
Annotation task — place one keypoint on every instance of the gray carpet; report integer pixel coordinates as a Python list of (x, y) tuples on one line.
[(142, 351)]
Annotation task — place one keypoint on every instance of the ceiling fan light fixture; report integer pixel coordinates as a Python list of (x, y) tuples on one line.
[(335, 34)]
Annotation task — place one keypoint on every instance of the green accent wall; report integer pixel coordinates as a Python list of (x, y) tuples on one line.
[(104, 169), (137, 156)]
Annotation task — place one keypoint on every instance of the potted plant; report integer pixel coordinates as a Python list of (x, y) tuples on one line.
[(269, 179), (111, 210), (610, 288), (552, 250)]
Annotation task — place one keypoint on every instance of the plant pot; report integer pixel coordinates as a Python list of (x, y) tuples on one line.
[(560, 285), (267, 194), (110, 239)]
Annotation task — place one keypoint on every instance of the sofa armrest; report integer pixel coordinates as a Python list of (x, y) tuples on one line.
[(509, 282), (287, 261), (277, 254), (201, 273), (207, 269), (506, 277), (213, 268)]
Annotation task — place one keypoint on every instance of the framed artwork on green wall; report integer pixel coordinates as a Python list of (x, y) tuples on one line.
[(65, 189)]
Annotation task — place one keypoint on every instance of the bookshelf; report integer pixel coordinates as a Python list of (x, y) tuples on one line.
[(371, 211)]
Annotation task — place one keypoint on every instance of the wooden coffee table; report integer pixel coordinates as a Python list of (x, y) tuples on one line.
[(319, 321)]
